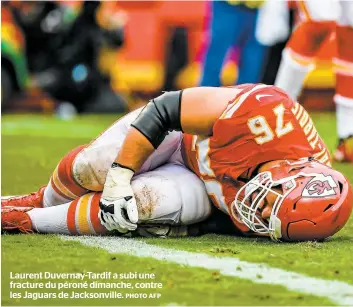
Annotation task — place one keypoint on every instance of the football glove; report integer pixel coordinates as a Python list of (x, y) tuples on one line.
[(117, 206)]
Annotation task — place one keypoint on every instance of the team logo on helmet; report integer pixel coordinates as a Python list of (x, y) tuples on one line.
[(320, 186)]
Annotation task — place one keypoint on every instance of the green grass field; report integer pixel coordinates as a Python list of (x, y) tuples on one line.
[(31, 147)]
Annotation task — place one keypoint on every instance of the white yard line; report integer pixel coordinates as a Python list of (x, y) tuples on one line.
[(338, 292)]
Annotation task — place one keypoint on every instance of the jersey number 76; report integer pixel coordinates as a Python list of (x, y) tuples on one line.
[(258, 125)]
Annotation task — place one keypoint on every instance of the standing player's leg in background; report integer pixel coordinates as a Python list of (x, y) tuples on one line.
[(317, 23), (233, 24), (253, 55), (223, 31), (170, 195), (343, 66)]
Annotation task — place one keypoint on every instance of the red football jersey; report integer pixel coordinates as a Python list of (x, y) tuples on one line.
[(261, 124)]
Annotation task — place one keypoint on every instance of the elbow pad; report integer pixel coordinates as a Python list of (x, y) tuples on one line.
[(160, 115)]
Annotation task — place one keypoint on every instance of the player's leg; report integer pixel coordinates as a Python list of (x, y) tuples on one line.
[(92, 163), (253, 54), (76, 217), (170, 195), (223, 30), (84, 169), (316, 25), (343, 98), (166, 197), (62, 187)]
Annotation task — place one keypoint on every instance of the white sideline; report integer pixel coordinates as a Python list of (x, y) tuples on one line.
[(338, 292)]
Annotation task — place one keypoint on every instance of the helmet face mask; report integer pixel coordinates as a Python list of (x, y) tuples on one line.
[(305, 192), (249, 207)]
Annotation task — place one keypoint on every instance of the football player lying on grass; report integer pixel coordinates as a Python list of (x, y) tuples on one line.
[(256, 151)]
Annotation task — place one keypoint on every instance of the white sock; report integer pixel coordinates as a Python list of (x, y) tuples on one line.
[(51, 198), (51, 219), (291, 75), (344, 116)]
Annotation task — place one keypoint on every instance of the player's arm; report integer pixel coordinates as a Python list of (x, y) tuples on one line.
[(193, 111)]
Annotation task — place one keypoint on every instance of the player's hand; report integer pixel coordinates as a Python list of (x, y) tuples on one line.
[(118, 209)]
